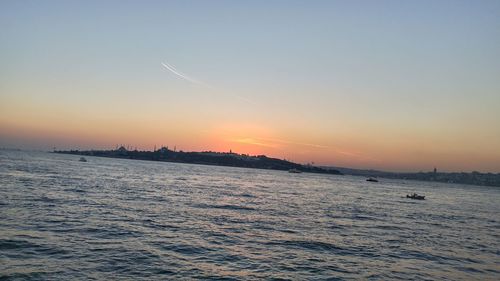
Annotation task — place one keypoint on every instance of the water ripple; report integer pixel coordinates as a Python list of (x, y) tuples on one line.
[(61, 219)]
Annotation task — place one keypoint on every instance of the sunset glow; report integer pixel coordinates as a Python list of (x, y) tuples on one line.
[(308, 85)]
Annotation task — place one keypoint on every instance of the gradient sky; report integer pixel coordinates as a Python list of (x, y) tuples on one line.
[(395, 85)]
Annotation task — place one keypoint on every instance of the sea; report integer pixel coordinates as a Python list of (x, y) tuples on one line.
[(118, 219)]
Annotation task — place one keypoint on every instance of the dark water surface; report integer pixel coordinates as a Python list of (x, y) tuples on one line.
[(61, 219)]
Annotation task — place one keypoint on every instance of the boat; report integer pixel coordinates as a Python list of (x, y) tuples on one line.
[(415, 196), (82, 159), (372, 179), (295, 171)]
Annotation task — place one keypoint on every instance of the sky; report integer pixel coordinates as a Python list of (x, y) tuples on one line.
[(391, 85)]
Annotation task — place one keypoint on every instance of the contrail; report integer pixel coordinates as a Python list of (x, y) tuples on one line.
[(183, 76)]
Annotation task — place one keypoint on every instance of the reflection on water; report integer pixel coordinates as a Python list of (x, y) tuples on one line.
[(121, 219)]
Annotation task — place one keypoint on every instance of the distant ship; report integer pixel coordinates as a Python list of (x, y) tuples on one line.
[(372, 179), (295, 171), (82, 159), (415, 196)]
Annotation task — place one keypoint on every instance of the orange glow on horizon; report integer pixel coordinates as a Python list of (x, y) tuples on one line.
[(245, 138)]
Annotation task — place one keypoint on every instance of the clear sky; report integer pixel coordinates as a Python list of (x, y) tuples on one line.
[(395, 85)]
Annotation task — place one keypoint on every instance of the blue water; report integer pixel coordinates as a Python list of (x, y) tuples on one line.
[(61, 219)]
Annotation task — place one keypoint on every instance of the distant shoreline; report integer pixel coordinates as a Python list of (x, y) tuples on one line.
[(227, 159), (472, 178), (230, 159)]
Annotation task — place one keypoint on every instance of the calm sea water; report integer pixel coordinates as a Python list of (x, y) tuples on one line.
[(61, 219)]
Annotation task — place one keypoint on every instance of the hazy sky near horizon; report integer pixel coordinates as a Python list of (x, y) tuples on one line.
[(397, 85)]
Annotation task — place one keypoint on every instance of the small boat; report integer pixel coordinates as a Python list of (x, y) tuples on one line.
[(82, 159), (295, 171), (415, 196), (372, 179)]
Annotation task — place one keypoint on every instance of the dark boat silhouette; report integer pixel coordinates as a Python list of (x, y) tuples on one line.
[(415, 196), (372, 179)]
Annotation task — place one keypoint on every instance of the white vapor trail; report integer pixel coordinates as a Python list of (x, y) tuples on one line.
[(183, 76)]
